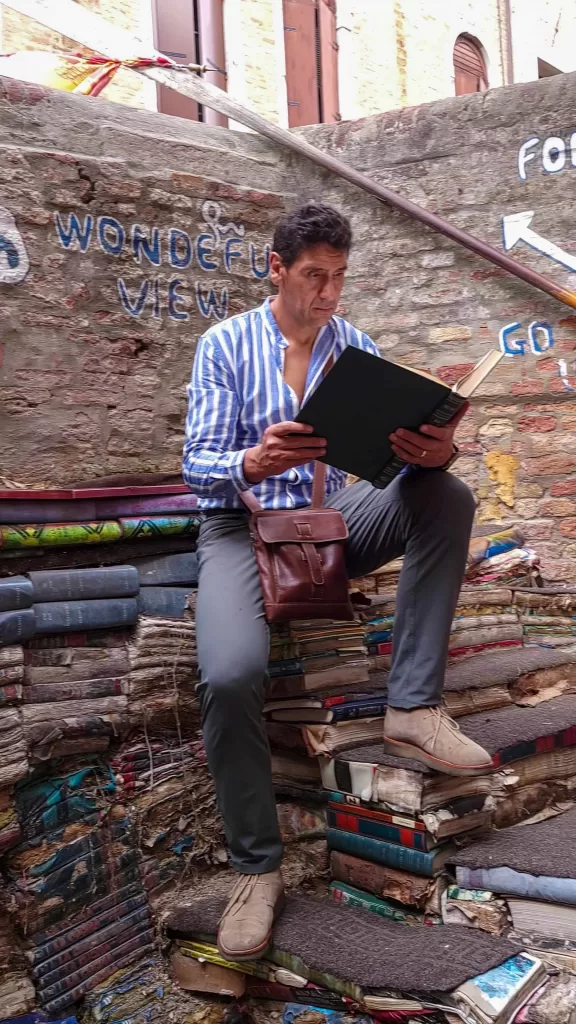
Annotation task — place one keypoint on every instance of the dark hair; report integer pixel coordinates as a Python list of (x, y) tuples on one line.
[(309, 225)]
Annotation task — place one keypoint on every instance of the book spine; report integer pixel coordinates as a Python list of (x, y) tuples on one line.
[(92, 689), (380, 648), (168, 570), (399, 857), (16, 626), (84, 584), (442, 415), (350, 897), (348, 712), (164, 602), (15, 593), (347, 821), (71, 616), (447, 409), (278, 669)]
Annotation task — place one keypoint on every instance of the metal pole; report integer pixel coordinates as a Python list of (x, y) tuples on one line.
[(69, 18)]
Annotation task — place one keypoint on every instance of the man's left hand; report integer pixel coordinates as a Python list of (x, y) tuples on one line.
[(431, 447)]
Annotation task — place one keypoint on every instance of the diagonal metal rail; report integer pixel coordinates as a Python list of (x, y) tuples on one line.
[(68, 18)]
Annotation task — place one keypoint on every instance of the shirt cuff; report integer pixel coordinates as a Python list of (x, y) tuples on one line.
[(236, 471)]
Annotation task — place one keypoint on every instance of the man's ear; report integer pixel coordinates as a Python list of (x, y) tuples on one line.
[(276, 268)]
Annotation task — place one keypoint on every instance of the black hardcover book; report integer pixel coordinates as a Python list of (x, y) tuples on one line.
[(364, 399)]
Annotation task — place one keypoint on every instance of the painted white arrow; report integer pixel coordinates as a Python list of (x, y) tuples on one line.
[(516, 228)]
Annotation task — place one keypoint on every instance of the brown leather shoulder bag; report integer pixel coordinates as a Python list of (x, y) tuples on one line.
[(301, 558)]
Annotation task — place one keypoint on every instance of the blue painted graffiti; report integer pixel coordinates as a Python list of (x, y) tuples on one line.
[(220, 247), (540, 338)]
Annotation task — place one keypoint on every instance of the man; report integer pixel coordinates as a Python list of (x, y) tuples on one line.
[(250, 377)]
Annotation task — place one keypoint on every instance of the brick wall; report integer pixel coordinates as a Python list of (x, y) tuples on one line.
[(98, 337)]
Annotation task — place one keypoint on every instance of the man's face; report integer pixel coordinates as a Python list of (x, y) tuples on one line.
[(311, 287)]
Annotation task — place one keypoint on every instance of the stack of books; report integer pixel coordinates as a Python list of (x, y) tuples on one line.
[(171, 797), (498, 559), (529, 870)]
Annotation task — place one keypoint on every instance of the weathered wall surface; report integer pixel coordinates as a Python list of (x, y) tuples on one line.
[(128, 265)]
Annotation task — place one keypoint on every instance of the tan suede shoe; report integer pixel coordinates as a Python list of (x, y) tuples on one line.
[(246, 926), (431, 736)]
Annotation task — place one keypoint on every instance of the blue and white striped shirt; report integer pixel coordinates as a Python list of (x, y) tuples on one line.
[(237, 390)]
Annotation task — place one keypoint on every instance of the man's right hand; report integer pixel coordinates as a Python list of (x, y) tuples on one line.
[(283, 446)]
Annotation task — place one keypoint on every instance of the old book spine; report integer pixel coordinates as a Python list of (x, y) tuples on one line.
[(84, 584), (351, 897), (15, 592), (393, 856), (365, 826), (385, 882), (167, 602), (89, 689), (13, 674), (178, 570), (78, 670), (71, 616), (16, 626), (442, 415)]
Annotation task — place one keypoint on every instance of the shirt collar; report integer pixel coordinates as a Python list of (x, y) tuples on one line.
[(325, 334)]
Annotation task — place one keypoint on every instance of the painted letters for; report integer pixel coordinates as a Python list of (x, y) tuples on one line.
[(552, 157), (14, 262)]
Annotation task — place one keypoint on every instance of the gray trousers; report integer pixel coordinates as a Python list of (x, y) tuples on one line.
[(425, 516)]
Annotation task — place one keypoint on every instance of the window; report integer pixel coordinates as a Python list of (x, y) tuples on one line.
[(191, 32), (311, 61), (470, 73)]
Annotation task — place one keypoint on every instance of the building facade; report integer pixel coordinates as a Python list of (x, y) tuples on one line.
[(303, 62)]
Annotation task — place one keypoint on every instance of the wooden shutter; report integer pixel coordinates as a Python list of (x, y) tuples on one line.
[(300, 42), (328, 48), (213, 52), (175, 35), (469, 67)]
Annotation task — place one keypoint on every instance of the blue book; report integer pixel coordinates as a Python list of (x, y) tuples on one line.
[(15, 592), (402, 858), (165, 602), (370, 707)]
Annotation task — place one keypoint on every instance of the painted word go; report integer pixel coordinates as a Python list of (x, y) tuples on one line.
[(540, 339)]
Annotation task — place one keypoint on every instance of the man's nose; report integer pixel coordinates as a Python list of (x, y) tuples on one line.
[(329, 289)]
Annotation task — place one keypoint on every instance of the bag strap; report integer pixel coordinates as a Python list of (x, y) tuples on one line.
[(319, 479)]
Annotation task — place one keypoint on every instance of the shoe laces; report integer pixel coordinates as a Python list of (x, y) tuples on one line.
[(241, 893), (443, 719)]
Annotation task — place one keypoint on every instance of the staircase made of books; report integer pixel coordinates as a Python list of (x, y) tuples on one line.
[(404, 904)]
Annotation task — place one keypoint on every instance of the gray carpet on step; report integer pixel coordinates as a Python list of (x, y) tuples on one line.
[(546, 848), (497, 731), (358, 946), (504, 667)]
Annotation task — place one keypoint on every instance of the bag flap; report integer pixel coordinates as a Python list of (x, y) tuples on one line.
[(312, 526)]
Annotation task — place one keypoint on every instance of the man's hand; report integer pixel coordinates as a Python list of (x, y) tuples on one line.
[(283, 446), (431, 447)]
